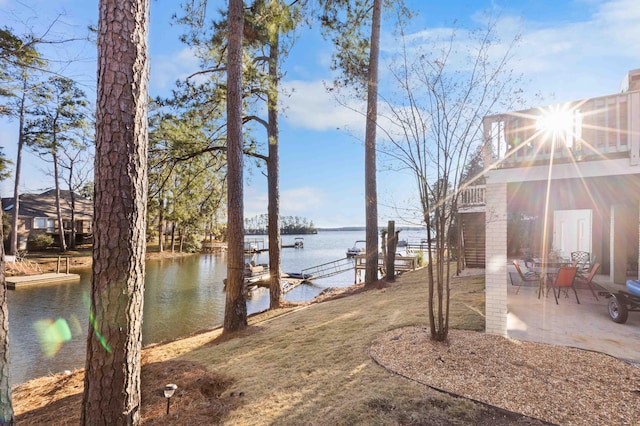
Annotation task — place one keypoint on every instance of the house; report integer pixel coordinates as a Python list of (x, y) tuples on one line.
[(571, 173), (38, 215)]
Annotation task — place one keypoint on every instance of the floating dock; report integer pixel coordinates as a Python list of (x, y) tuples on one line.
[(289, 281), (48, 278)]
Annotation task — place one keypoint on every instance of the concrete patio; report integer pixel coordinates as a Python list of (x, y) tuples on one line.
[(586, 325)]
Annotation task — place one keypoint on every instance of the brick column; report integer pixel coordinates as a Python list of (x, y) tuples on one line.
[(496, 259)]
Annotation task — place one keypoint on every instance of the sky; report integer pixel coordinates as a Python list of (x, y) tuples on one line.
[(568, 50)]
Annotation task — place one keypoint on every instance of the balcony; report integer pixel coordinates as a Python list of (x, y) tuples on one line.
[(471, 199), (594, 129)]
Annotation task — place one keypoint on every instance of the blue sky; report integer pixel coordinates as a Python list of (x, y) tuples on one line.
[(569, 50)]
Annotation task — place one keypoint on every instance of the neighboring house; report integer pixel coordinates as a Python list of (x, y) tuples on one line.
[(38, 215), (573, 172)]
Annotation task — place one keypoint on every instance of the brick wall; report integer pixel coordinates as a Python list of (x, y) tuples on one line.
[(496, 260)]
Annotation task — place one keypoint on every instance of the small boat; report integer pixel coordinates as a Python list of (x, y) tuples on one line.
[(358, 248), (298, 276), (298, 243)]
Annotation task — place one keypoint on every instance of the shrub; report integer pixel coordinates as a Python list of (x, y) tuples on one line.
[(192, 243), (39, 241)]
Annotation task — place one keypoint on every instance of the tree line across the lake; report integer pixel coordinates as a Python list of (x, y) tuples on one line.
[(258, 225)]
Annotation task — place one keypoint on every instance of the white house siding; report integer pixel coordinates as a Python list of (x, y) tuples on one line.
[(496, 259)]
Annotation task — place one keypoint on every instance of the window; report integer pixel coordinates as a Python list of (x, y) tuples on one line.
[(43, 223)]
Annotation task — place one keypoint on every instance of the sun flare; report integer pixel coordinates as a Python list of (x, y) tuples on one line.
[(561, 123)]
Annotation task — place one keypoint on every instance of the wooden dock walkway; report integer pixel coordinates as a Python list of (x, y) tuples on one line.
[(48, 278), (401, 264)]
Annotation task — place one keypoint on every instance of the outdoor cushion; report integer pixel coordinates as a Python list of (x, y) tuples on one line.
[(633, 286)]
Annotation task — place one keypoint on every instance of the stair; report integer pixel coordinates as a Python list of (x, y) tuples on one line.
[(473, 237)]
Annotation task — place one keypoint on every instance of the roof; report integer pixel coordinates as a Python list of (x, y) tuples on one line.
[(44, 205)]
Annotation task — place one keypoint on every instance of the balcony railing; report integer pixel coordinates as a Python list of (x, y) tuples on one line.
[(472, 196), (586, 130)]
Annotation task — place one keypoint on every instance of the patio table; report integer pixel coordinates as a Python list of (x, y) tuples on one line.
[(552, 263), (547, 270)]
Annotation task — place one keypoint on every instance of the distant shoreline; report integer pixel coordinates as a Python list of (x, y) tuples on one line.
[(363, 228)]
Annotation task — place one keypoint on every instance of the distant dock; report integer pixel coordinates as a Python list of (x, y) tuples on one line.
[(48, 278)]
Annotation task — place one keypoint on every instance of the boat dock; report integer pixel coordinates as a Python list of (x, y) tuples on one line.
[(214, 247), (401, 264), (254, 246), (48, 278), (288, 282)]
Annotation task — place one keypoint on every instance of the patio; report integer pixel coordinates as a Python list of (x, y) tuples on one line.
[(586, 325)]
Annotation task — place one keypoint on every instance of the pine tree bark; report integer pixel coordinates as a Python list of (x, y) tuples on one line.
[(273, 173), (13, 246), (72, 204), (6, 405), (371, 192), (56, 180), (235, 313), (161, 224), (114, 342)]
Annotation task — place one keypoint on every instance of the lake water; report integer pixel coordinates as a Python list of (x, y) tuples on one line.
[(48, 323)]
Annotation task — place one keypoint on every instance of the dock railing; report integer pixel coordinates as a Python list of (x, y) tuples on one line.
[(401, 264), (328, 269)]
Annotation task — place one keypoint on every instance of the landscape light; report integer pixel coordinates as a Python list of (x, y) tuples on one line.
[(168, 393)]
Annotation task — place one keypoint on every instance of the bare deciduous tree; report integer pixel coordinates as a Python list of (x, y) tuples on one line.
[(444, 94)]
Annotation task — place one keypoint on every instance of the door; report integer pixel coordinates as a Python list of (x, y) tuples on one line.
[(572, 231)]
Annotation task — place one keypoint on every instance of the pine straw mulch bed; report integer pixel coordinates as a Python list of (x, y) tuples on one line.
[(61, 403), (556, 384)]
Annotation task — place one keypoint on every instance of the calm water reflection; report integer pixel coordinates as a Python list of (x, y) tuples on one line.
[(182, 296)]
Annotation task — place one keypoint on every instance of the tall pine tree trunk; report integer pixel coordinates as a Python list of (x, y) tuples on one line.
[(114, 342), (72, 201), (56, 180), (371, 192), (161, 223), (13, 246), (235, 312), (273, 173), (6, 405)]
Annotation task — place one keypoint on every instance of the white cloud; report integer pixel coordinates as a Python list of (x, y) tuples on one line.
[(292, 201), (587, 58), (310, 106), (255, 201), (301, 199), (573, 59), (166, 69)]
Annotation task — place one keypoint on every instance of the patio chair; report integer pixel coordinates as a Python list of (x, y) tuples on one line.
[(563, 280), (583, 258), (586, 280), (529, 276)]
